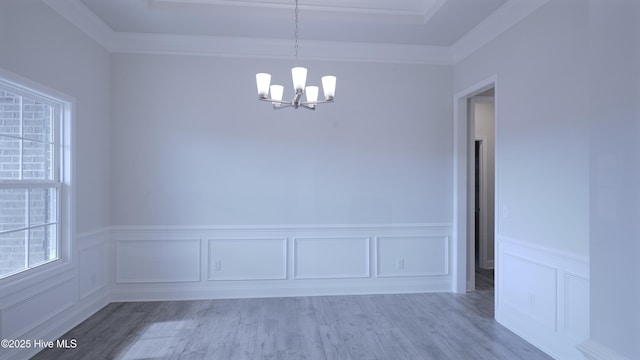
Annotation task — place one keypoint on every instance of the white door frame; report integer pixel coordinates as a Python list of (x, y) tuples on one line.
[(463, 218), (484, 235)]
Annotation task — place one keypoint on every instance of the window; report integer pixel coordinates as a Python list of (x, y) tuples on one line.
[(31, 178)]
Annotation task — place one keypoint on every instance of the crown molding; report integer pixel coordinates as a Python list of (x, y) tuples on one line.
[(509, 14), (279, 49), (422, 11), (432, 10), (79, 15), (504, 18), (415, 8)]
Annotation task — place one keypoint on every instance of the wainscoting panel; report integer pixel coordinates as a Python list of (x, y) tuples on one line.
[(47, 304), (331, 258), (412, 256), (174, 263), (247, 259), (35, 310), (149, 261), (543, 296), (576, 293), (93, 262), (530, 288)]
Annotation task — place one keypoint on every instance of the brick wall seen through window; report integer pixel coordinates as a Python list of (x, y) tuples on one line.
[(29, 180)]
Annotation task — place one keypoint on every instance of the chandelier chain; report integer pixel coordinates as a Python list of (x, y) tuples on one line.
[(296, 33)]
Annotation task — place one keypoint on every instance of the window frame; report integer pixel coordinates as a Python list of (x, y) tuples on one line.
[(62, 167)]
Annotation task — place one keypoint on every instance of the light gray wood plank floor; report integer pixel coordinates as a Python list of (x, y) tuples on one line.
[(413, 326)]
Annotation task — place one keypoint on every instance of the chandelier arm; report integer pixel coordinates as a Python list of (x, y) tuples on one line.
[(308, 106), (316, 102), (283, 105), (274, 101), (277, 104)]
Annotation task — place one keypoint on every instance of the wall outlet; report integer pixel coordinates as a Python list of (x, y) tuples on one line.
[(400, 264), (217, 265)]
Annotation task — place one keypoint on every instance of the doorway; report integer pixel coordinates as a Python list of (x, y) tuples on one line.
[(464, 254), (481, 110)]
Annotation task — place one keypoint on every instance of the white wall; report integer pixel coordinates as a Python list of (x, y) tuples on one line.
[(542, 195), (333, 199), (615, 179), (193, 146), (542, 135), (36, 43)]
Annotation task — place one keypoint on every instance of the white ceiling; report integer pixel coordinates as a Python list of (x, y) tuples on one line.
[(422, 22), (402, 31)]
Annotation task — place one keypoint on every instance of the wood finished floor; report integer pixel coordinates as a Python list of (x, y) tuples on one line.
[(484, 279), (414, 326)]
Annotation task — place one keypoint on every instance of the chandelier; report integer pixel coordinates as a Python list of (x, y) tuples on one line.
[(299, 75)]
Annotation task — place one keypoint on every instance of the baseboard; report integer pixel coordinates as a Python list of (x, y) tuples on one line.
[(550, 342), (543, 296), (172, 292), (593, 350)]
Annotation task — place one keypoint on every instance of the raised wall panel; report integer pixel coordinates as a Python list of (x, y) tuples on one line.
[(36, 309), (145, 261), (92, 269), (247, 259), (412, 256), (543, 296), (331, 258), (530, 288), (267, 261), (576, 306)]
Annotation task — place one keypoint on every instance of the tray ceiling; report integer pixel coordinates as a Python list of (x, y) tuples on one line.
[(414, 22)]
